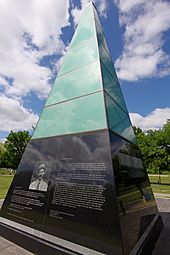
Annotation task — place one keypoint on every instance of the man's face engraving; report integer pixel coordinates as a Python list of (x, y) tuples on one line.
[(41, 173)]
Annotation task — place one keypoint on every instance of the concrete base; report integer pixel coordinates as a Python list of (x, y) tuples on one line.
[(40, 246), (152, 234), (31, 243)]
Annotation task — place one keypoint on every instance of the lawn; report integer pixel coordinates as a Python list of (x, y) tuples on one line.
[(6, 171), (159, 179), (5, 181), (164, 189)]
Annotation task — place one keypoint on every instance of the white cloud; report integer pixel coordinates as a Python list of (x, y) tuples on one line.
[(29, 30), (13, 116), (127, 5), (154, 120), (145, 23), (102, 7)]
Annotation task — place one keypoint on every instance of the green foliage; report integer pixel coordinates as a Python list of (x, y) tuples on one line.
[(155, 148), (15, 145), (2, 149), (2, 155)]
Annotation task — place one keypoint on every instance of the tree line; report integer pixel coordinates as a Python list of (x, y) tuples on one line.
[(12, 150), (154, 146), (155, 149)]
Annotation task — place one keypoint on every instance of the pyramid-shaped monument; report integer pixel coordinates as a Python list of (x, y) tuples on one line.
[(81, 187)]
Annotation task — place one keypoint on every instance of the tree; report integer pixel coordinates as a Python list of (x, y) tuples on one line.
[(15, 145), (2, 152), (165, 145), (155, 148), (144, 145)]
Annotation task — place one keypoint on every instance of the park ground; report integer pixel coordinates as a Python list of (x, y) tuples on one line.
[(160, 183), (6, 177)]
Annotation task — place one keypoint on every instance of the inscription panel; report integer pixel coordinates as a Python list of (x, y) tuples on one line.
[(65, 186), (27, 197), (82, 205)]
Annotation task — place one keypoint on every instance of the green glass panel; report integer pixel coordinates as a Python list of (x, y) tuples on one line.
[(79, 115), (84, 54), (100, 36), (112, 87), (118, 120), (106, 59), (96, 16), (79, 82), (87, 13), (83, 32)]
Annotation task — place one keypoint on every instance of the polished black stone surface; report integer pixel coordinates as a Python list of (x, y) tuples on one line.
[(80, 202), (135, 198), (25, 205), (97, 192)]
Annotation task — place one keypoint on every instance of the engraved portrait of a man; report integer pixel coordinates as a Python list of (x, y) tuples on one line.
[(40, 183)]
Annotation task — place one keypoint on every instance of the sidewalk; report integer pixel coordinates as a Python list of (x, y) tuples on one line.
[(9, 248), (161, 195), (162, 246)]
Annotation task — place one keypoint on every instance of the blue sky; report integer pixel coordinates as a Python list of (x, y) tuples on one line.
[(35, 34)]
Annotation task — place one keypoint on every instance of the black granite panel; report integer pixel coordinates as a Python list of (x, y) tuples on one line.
[(76, 200), (136, 202), (82, 207), (27, 197)]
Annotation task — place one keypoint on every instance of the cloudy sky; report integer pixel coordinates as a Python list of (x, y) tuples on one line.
[(35, 34)]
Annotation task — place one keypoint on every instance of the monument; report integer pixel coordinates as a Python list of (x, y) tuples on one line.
[(81, 187)]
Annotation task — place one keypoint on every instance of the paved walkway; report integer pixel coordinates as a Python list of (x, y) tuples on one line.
[(161, 195), (8, 248), (162, 247)]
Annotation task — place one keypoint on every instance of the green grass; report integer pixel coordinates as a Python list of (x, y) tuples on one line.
[(164, 189), (159, 179), (160, 183), (6, 179), (4, 171), (5, 182)]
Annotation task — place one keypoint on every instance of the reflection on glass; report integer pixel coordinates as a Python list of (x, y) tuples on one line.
[(87, 14), (96, 16), (79, 115), (136, 202), (118, 120), (83, 32), (83, 54), (112, 87), (101, 39), (105, 58), (79, 82)]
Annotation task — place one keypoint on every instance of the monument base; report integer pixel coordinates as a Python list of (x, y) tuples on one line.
[(31, 243), (41, 243)]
